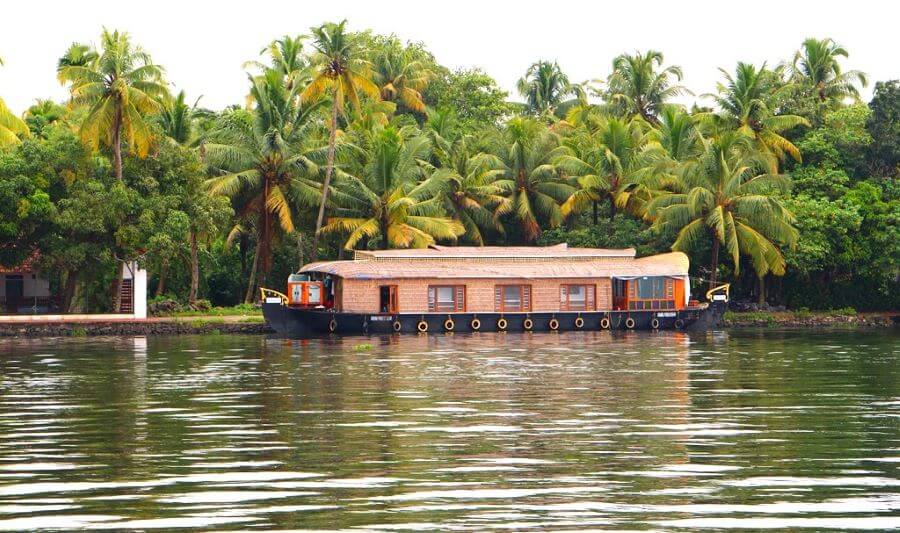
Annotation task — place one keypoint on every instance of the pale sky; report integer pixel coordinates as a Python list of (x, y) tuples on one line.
[(202, 45)]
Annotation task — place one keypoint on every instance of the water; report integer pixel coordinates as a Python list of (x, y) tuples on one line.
[(513, 432)]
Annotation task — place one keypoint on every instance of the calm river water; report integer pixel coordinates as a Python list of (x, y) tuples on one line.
[(727, 430)]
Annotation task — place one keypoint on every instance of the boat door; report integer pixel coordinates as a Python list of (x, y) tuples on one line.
[(387, 299)]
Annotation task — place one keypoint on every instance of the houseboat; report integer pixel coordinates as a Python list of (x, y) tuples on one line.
[(467, 289)]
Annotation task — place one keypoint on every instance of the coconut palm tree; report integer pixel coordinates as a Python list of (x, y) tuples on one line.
[(176, 118), (121, 86), (816, 65), (545, 86), (729, 201), (470, 191), (609, 164), (674, 146), (386, 197), (286, 57), (77, 55), (265, 160), (637, 88), (178, 122), (341, 72), (748, 103), (400, 76), (530, 183), (11, 126)]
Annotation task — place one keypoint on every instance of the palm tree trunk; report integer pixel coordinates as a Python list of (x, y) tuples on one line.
[(251, 286), (761, 296), (299, 251), (329, 170), (594, 213), (195, 269), (117, 144), (714, 263), (161, 285), (243, 250)]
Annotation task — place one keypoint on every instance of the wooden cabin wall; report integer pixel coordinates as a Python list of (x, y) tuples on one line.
[(361, 296)]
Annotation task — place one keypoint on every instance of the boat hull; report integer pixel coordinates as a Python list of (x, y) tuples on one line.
[(305, 323)]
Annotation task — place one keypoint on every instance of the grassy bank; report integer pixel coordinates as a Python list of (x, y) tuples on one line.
[(806, 318), (241, 310)]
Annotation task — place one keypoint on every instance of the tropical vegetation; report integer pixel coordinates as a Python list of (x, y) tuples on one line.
[(780, 180)]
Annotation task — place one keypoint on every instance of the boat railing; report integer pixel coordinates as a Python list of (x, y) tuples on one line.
[(724, 289), (271, 293)]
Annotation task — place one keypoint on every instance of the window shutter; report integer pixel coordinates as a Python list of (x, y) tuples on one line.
[(632, 285), (589, 298), (431, 297), (461, 298), (563, 297), (498, 298), (670, 288), (526, 298)]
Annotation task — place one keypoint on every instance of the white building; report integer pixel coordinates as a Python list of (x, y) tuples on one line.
[(24, 289)]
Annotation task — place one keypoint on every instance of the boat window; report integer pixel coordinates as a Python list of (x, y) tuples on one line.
[(576, 297), (447, 298), (656, 292), (651, 288), (512, 298)]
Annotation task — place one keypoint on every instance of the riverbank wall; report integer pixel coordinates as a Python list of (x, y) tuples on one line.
[(148, 327), (255, 326)]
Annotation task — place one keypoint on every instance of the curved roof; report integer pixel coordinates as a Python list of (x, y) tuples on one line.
[(503, 263), (559, 251)]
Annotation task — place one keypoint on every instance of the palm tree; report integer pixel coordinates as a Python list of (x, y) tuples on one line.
[(729, 202), (530, 182), (609, 164), (122, 86), (388, 199), (265, 163), (674, 146), (177, 121), (77, 55), (638, 89), (748, 104), (286, 57), (343, 72), (400, 76), (544, 87), (11, 126), (816, 65), (470, 191)]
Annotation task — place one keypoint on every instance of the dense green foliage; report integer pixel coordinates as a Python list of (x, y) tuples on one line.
[(785, 185)]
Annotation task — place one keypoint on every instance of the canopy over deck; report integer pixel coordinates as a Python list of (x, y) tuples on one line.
[(496, 262)]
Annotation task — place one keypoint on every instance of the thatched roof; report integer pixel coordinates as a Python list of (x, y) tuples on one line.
[(495, 262)]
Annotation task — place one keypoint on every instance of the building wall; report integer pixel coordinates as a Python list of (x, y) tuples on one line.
[(361, 296), (38, 287)]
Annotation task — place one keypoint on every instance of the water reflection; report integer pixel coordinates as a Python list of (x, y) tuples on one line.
[(452, 432)]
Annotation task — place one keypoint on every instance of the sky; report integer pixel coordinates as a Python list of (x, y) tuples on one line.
[(202, 45)]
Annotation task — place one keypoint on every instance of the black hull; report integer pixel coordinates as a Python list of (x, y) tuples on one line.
[(305, 323)]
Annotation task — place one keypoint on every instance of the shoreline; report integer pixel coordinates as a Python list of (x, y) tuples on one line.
[(253, 325), (191, 325)]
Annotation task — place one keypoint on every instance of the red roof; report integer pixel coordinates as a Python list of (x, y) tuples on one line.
[(28, 265)]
